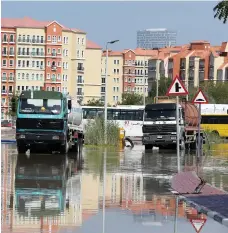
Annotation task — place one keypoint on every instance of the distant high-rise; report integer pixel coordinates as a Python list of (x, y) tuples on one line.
[(156, 38)]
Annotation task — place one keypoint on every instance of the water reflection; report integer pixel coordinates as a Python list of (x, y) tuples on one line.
[(48, 193)]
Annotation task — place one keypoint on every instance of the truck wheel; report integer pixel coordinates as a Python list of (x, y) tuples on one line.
[(75, 147), (21, 149), (148, 147), (64, 148)]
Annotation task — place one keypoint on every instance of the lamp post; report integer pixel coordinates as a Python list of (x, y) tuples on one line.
[(144, 78), (106, 85)]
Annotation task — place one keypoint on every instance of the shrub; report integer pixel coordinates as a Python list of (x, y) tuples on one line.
[(95, 129)]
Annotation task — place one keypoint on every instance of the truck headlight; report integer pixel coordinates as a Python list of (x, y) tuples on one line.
[(55, 137), (22, 136), (173, 138)]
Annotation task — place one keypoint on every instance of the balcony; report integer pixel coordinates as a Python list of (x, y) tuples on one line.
[(24, 41), (11, 54), (53, 54), (53, 79), (80, 69), (35, 41), (23, 53), (4, 53), (80, 81), (80, 93), (11, 79), (38, 54), (4, 78), (4, 92), (182, 66), (4, 41), (10, 92), (54, 68)]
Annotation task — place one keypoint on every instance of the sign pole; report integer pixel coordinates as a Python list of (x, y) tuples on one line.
[(178, 135), (199, 138)]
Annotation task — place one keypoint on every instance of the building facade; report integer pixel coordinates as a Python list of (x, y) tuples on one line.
[(156, 38)]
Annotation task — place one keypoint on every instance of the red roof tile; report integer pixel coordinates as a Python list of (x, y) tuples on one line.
[(92, 45), (27, 22), (113, 53), (224, 47)]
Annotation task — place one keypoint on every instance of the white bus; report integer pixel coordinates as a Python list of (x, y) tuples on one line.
[(127, 116)]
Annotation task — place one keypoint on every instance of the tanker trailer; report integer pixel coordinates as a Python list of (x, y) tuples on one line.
[(75, 127), (159, 124)]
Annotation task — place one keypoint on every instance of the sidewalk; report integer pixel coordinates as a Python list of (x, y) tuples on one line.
[(210, 201)]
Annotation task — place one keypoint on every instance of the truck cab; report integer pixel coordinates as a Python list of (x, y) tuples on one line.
[(160, 125), (42, 120)]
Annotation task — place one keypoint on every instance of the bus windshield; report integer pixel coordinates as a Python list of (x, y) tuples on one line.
[(40, 106)]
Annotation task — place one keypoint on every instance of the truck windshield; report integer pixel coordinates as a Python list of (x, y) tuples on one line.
[(160, 115), (40, 106)]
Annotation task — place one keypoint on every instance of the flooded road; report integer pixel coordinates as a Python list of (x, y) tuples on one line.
[(54, 194)]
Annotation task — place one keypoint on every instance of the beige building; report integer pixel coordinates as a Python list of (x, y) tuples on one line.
[(115, 74), (91, 82)]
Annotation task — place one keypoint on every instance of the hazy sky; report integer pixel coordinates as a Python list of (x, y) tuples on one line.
[(104, 21)]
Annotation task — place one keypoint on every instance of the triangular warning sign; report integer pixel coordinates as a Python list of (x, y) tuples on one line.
[(200, 98), (177, 88), (198, 224)]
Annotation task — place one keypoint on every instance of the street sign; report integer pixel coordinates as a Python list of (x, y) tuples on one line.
[(200, 98), (177, 88), (198, 224)]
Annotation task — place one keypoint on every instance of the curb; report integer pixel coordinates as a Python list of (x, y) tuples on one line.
[(8, 140), (201, 209)]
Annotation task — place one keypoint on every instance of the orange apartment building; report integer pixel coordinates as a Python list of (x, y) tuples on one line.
[(8, 65)]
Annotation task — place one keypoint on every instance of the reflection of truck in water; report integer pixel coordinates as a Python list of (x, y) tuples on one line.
[(48, 118), (40, 185), (159, 124)]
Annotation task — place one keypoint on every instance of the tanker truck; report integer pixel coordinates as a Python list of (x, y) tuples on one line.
[(48, 120), (159, 124)]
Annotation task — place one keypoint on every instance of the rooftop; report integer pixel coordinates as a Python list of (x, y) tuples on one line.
[(92, 45), (28, 22)]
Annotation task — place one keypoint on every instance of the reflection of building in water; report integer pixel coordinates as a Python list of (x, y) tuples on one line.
[(7, 186)]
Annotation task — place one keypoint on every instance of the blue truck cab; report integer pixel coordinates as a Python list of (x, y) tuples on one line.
[(42, 119)]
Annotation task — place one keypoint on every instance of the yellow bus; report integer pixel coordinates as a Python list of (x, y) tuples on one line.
[(216, 123)]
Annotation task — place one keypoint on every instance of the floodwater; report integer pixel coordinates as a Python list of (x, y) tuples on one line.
[(52, 193)]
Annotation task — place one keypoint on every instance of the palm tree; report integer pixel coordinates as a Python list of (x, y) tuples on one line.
[(221, 11)]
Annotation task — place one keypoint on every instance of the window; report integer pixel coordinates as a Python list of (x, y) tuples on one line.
[(66, 65), (11, 63), (41, 77), (102, 80), (83, 41), (27, 63), (82, 53), (37, 77), (33, 76), (54, 39), (78, 40), (114, 61), (4, 38), (27, 76), (59, 51), (114, 71), (11, 38), (59, 64), (102, 89), (65, 40), (59, 39), (66, 77), (19, 76), (4, 64), (58, 77), (118, 62), (63, 65), (33, 63), (78, 53), (42, 39), (49, 51), (37, 64), (53, 77), (48, 76)]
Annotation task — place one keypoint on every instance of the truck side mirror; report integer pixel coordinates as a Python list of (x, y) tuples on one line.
[(69, 103)]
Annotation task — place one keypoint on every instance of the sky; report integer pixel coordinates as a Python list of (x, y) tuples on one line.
[(105, 21)]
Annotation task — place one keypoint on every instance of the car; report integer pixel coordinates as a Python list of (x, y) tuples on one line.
[(6, 123)]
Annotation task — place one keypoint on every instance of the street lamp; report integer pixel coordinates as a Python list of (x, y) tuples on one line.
[(144, 78), (106, 85)]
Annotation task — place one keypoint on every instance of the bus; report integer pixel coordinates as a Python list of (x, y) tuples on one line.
[(214, 118), (128, 117)]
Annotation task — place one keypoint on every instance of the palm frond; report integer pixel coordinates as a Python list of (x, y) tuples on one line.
[(221, 11)]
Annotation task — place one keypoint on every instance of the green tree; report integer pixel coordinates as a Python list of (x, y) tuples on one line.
[(221, 11), (163, 86), (13, 105), (95, 102), (132, 99)]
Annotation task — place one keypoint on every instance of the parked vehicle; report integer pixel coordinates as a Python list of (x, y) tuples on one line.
[(159, 124), (49, 119)]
